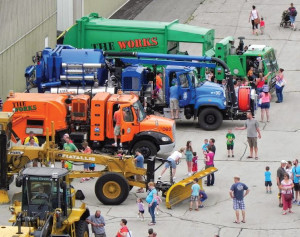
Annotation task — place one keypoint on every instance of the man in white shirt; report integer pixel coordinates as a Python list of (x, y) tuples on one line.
[(171, 161)]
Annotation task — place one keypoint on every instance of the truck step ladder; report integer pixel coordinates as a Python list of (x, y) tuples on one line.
[(167, 113), (180, 191)]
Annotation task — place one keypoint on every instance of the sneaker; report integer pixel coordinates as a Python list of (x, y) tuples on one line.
[(114, 144), (281, 205), (228, 156), (270, 191), (295, 202), (267, 191), (201, 206), (174, 179), (189, 174), (157, 213), (121, 144), (159, 177), (232, 156), (299, 204)]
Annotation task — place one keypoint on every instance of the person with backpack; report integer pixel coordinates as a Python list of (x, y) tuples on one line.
[(292, 13)]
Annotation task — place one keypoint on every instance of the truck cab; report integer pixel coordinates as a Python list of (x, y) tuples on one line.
[(149, 134)]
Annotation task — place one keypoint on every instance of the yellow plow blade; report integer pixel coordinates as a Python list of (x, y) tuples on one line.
[(180, 191)]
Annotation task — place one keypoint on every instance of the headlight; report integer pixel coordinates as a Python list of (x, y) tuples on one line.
[(165, 139)]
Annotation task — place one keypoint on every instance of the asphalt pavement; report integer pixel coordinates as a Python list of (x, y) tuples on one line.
[(280, 138)]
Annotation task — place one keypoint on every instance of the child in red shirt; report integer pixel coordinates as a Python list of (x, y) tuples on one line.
[(262, 25), (195, 162)]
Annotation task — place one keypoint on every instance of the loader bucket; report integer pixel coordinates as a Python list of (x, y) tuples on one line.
[(180, 191)]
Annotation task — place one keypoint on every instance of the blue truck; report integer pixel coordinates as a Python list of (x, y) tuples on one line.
[(69, 70)]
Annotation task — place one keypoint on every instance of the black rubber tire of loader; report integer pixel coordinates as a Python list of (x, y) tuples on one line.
[(81, 229), (210, 119), (147, 148), (111, 188)]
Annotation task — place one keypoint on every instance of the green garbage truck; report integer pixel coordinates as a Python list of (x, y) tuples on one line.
[(165, 37)]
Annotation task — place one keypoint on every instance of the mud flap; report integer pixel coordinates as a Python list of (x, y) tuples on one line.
[(180, 191)]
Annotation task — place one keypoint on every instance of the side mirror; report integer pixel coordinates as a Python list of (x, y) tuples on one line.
[(79, 195)]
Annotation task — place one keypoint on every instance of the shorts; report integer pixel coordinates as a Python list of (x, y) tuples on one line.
[(268, 183), (203, 199), (194, 198), (296, 187), (173, 164), (100, 235), (117, 130), (238, 204), (86, 166), (174, 104), (265, 105), (229, 146), (252, 142), (142, 212), (292, 19)]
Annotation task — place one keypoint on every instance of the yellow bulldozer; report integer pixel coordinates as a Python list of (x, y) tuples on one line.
[(112, 187)]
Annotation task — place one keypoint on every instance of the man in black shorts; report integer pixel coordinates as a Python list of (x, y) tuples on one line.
[(296, 179)]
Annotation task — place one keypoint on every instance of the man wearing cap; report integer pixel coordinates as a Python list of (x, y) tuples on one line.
[(280, 175), (237, 194), (253, 132), (27, 139)]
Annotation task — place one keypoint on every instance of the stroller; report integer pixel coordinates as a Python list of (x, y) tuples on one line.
[(285, 19)]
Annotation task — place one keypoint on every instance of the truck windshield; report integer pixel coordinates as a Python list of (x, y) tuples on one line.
[(39, 191), (271, 62), (139, 110)]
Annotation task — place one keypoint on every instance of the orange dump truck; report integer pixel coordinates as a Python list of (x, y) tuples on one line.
[(91, 119)]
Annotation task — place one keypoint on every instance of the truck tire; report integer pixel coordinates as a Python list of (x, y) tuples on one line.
[(111, 188), (147, 148), (210, 119), (81, 229)]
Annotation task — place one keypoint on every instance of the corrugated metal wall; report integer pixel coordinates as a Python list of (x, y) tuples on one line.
[(68, 11), (24, 26)]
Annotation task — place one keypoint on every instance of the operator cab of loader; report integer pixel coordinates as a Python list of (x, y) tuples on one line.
[(44, 190)]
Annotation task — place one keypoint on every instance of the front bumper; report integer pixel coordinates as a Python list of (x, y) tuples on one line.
[(166, 148)]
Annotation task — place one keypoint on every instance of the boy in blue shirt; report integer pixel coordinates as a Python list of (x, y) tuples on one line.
[(195, 194), (268, 180)]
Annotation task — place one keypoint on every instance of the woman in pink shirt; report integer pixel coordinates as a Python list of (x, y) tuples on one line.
[(209, 162), (265, 97), (286, 188)]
